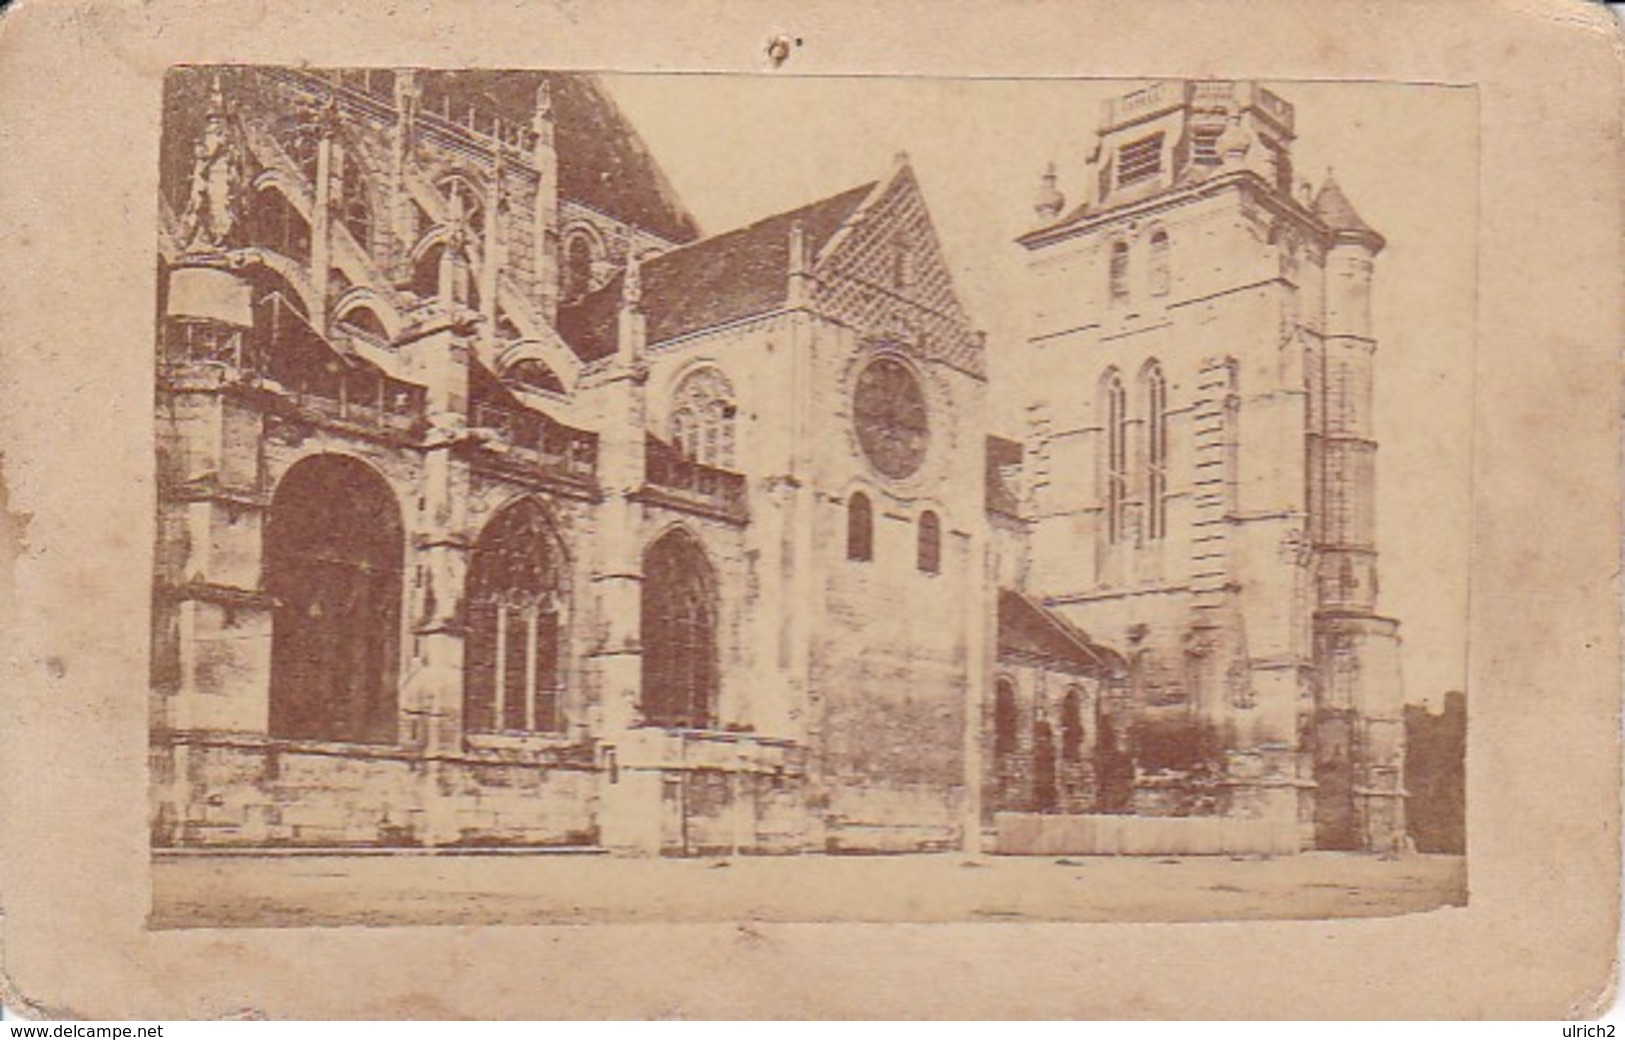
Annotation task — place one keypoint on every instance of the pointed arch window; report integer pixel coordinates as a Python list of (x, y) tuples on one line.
[(577, 267), (1115, 401), (1161, 273), (860, 527), (516, 606), (1072, 725), (679, 617), (334, 546), (702, 418), (930, 547), (1156, 451), (1118, 274)]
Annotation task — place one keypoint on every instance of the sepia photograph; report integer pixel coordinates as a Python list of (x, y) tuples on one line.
[(815, 511), (590, 497)]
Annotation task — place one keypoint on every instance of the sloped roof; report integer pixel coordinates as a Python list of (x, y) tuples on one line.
[(720, 279), (1028, 630), (1336, 211), (603, 162)]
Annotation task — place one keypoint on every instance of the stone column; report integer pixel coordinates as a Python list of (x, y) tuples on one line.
[(1360, 716), (630, 795), (544, 250), (432, 687)]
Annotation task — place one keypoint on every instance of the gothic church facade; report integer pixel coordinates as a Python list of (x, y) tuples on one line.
[(499, 506)]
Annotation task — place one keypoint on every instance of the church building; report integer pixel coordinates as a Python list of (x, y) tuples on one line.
[(499, 506)]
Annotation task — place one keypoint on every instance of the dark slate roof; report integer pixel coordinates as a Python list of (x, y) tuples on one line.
[(1336, 211), (714, 281), (1002, 454), (1027, 630), (603, 163)]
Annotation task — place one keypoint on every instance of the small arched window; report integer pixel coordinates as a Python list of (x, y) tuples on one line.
[(577, 267), (860, 528), (333, 556), (679, 616), (1161, 274), (1072, 725), (1005, 719), (1118, 276), (930, 548), (517, 599), (702, 418), (1156, 451), (1115, 460)]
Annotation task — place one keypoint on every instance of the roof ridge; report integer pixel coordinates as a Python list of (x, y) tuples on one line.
[(740, 229)]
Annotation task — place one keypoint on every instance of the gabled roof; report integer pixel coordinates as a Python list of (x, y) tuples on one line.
[(720, 279), (1028, 630)]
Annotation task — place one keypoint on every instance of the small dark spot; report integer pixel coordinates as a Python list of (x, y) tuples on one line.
[(56, 666)]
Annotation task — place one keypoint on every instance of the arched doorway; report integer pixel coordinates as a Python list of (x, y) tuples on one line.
[(333, 552)]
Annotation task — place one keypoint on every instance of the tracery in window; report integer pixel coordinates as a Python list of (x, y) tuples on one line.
[(516, 606), (702, 418), (679, 615), (333, 552)]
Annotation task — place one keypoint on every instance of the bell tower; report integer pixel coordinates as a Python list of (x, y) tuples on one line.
[(1203, 462)]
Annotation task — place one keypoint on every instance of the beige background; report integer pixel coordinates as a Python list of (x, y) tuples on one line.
[(79, 89)]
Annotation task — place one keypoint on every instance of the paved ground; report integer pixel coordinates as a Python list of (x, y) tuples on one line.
[(294, 890)]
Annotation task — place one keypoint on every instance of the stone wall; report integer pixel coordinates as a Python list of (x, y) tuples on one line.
[(1436, 776)]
